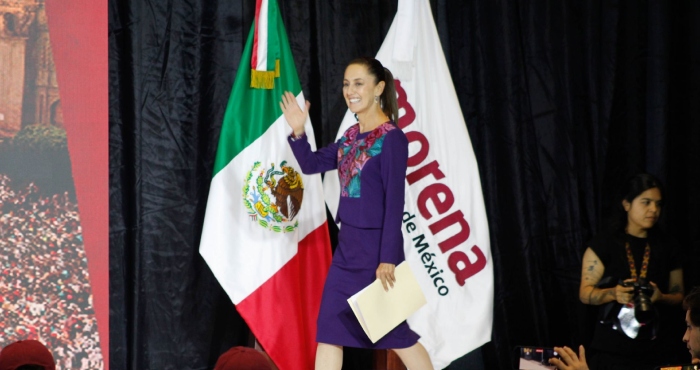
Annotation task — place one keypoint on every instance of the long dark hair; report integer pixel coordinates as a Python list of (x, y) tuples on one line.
[(387, 100), (635, 185)]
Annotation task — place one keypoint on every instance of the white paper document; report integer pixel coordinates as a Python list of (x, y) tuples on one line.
[(379, 311)]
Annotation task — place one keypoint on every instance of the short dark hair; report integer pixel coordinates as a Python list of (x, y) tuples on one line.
[(692, 304)]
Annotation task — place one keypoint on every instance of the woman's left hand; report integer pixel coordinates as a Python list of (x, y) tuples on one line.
[(657, 293), (385, 273)]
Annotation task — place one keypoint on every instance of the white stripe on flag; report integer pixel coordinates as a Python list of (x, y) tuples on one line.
[(263, 22)]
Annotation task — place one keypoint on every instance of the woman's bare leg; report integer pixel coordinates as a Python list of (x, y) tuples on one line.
[(329, 357), (415, 357)]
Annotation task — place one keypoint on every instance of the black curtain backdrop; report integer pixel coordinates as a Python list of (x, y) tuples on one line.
[(563, 100)]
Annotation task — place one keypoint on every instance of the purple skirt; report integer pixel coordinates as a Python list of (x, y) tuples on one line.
[(354, 266)]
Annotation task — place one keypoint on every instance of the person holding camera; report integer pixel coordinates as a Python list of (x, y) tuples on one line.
[(630, 273), (570, 360)]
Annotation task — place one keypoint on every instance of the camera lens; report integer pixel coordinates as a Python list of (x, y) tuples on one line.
[(643, 310)]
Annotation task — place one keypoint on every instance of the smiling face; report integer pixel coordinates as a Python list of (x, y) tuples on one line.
[(643, 211), (360, 88), (692, 336)]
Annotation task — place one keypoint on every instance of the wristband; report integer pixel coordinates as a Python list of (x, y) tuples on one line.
[(295, 137)]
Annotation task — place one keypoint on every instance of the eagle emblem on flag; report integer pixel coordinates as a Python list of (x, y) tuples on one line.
[(273, 196)]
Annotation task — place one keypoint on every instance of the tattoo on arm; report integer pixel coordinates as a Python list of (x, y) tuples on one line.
[(675, 289), (599, 298), (591, 272), (610, 293)]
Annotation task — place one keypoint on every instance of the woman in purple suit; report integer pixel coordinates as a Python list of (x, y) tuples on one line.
[(371, 161)]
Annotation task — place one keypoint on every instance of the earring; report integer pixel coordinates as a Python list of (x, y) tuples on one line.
[(376, 99)]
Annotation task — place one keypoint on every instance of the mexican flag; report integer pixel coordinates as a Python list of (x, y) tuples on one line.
[(265, 236), (445, 229)]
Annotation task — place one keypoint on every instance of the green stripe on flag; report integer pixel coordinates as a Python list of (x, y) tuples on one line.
[(251, 111)]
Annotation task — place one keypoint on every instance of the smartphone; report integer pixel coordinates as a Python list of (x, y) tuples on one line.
[(679, 367), (535, 358)]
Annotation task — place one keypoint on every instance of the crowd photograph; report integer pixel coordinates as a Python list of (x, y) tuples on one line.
[(45, 291)]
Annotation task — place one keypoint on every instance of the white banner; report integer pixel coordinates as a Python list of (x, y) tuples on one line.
[(446, 235)]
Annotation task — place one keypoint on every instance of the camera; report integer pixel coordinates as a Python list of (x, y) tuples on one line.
[(643, 307)]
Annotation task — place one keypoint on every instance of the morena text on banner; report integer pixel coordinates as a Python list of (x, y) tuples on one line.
[(440, 196)]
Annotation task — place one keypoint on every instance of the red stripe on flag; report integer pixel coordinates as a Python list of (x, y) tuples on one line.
[(282, 313), (254, 58)]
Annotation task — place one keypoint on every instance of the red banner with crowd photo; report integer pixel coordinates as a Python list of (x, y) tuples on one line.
[(54, 250)]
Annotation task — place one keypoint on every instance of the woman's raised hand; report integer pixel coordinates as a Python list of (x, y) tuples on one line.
[(295, 116)]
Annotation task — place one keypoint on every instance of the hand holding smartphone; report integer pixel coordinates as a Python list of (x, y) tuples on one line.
[(535, 358)]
